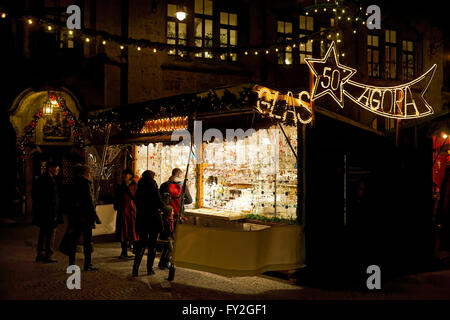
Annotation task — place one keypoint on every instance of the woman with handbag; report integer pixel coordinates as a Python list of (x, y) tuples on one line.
[(148, 220)]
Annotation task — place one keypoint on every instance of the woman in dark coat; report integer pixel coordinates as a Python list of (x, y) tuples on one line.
[(83, 217), (126, 212), (148, 220)]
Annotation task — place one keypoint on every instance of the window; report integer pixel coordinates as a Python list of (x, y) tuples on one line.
[(306, 26), (176, 31), (408, 59), (390, 55), (284, 30), (203, 26), (373, 56), (228, 34), (66, 39)]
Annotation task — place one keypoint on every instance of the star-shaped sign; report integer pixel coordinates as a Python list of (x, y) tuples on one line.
[(330, 75)]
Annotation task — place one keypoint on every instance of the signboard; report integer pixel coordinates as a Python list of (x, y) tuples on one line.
[(405, 101)]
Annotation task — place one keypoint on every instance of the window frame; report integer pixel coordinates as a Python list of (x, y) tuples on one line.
[(390, 60), (407, 53), (303, 47), (284, 36), (204, 17), (371, 62), (177, 45), (228, 56)]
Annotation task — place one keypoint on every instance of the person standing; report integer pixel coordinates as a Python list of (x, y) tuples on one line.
[(148, 220), (171, 191), (124, 203), (83, 217), (46, 212)]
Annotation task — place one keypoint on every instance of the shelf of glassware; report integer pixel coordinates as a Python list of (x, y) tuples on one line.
[(238, 193)]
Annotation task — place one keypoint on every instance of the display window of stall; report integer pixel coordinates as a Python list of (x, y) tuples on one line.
[(162, 158), (254, 175)]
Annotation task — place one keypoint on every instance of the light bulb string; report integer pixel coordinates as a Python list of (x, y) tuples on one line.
[(105, 37)]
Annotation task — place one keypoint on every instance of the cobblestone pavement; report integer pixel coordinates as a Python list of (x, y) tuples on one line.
[(22, 278)]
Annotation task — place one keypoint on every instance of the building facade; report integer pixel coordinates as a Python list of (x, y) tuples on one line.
[(219, 43)]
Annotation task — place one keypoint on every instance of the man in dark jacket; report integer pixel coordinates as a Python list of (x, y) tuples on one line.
[(171, 191), (148, 220), (46, 211), (83, 217)]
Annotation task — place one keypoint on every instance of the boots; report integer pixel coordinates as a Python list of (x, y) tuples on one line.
[(124, 253), (137, 261)]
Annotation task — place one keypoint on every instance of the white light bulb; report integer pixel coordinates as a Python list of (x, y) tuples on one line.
[(181, 15)]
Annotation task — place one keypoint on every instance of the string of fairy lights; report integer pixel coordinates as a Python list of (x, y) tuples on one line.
[(342, 11)]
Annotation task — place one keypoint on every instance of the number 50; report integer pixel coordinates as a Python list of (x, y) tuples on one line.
[(331, 80)]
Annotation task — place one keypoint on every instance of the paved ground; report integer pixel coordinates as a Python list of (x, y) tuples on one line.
[(22, 278)]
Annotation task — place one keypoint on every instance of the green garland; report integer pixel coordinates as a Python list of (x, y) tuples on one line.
[(131, 118), (272, 220)]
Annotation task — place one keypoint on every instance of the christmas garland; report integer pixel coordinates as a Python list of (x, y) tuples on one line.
[(26, 140), (131, 118)]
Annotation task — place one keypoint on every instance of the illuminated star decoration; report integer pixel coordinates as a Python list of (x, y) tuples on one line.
[(330, 75)]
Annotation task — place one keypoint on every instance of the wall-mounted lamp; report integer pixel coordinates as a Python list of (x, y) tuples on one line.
[(181, 12)]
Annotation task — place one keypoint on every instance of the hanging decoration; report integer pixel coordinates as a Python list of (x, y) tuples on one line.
[(405, 101), (53, 101), (165, 125)]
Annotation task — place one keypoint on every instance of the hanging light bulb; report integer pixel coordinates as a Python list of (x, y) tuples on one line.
[(71, 32), (122, 47), (181, 12), (138, 48), (49, 28), (30, 21), (87, 39), (154, 50), (103, 42)]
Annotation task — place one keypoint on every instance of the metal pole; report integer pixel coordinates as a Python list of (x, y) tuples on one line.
[(102, 167), (183, 191), (288, 141)]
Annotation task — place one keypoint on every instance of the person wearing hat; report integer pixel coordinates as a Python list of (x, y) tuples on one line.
[(124, 204), (46, 211)]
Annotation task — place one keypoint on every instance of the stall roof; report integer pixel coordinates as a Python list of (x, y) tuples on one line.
[(225, 96), (225, 100)]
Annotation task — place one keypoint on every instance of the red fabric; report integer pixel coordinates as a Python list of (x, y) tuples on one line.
[(174, 190), (129, 219), (441, 161)]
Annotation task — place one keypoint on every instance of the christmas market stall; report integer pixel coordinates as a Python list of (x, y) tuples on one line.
[(245, 217)]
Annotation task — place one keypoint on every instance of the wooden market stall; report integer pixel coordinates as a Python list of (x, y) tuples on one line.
[(244, 219)]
